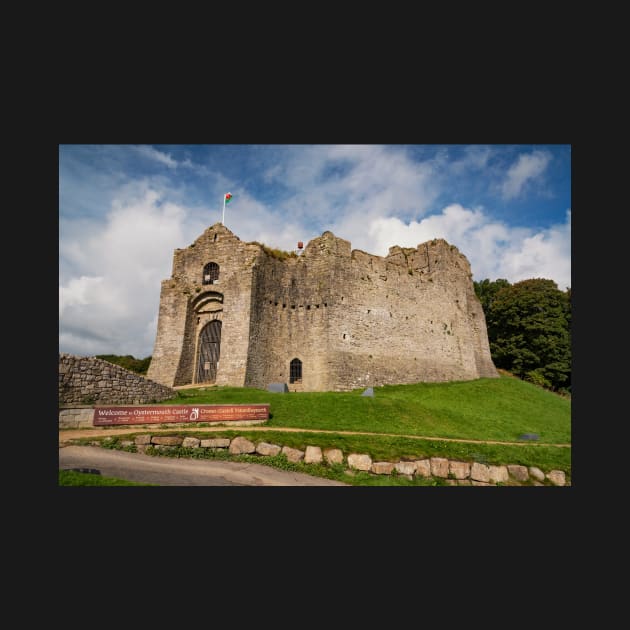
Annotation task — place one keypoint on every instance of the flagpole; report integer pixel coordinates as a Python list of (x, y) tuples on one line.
[(223, 219)]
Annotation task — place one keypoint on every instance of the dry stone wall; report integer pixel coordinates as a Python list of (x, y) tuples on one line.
[(88, 380), (452, 472)]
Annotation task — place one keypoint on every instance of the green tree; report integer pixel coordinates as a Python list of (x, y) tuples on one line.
[(487, 290), (529, 329)]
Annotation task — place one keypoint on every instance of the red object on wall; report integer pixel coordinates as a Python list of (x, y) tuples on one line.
[(157, 414), (300, 245)]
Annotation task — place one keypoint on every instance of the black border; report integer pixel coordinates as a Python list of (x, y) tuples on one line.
[(395, 517)]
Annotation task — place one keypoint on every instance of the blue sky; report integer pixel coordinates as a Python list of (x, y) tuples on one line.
[(123, 209)]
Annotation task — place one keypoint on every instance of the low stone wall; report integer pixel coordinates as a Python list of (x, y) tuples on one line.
[(88, 380), (454, 472), (76, 417)]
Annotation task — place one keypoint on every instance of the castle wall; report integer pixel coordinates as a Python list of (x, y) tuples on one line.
[(187, 305), (355, 319), (172, 320), (352, 318), (291, 315)]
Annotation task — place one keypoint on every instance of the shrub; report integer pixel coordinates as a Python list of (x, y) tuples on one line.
[(535, 377)]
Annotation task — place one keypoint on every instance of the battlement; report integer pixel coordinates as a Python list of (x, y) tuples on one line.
[(236, 313)]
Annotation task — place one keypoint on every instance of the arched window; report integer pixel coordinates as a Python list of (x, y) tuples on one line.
[(210, 273), (295, 373)]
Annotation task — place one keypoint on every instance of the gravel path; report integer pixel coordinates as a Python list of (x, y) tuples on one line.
[(165, 471)]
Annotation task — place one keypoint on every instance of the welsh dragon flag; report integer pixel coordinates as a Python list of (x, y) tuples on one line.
[(227, 197)]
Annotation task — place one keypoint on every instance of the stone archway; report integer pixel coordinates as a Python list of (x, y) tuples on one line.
[(209, 350)]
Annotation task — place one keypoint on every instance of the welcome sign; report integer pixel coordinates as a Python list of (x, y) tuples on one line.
[(158, 414)]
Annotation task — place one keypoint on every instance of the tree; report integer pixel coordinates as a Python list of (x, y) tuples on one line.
[(529, 329), (486, 291)]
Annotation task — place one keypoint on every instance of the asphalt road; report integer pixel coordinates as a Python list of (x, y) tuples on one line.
[(181, 472)]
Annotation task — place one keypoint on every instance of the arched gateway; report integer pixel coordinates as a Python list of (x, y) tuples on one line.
[(208, 352)]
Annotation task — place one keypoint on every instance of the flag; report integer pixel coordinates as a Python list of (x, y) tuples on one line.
[(227, 197)]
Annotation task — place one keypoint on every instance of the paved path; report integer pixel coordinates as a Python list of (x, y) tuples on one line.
[(165, 471), (72, 434)]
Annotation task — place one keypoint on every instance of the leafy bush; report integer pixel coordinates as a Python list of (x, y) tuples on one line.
[(535, 377), (529, 329)]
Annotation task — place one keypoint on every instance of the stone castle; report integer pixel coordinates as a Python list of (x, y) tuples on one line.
[(331, 319)]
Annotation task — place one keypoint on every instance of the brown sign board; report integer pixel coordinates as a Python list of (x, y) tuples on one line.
[(159, 414)]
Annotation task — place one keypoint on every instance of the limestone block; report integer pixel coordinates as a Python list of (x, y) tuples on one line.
[(293, 454), (313, 455), (480, 472), (423, 467), (439, 467), (382, 468), (405, 468), (333, 455), (460, 470), (241, 445), (536, 473), (264, 448), (359, 461), (518, 472), (557, 477), (167, 440), (498, 474), (215, 443)]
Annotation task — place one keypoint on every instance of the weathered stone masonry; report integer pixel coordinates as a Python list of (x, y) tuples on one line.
[(460, 473), (91, 380), (349, 318)]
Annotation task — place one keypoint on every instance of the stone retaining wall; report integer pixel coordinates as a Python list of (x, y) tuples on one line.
[(76, 417), (456, 473), (89, 380)]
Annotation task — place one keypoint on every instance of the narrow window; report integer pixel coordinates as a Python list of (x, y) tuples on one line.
[(295, 371), (210, 273)]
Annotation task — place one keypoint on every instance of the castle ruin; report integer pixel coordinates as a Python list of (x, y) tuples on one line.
[(331, 319)]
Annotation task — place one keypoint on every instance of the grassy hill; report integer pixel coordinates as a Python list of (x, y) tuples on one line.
[(485, 409), (482, 411)]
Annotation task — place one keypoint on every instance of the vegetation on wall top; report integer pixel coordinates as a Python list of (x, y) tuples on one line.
[(140, 366)]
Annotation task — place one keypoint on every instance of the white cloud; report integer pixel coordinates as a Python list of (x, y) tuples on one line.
[(111, 272), (122, 262), (493, 249), (546, 254), (325, 182), (80, 291), (475, 158), (112, 261), (157, 156), (527, 168), (452, 224)]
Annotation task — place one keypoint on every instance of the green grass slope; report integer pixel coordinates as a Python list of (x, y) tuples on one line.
[(485, 409), (75, 478)]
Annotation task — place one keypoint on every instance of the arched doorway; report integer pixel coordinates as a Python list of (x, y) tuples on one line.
[(208, 353), (295, 371)]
